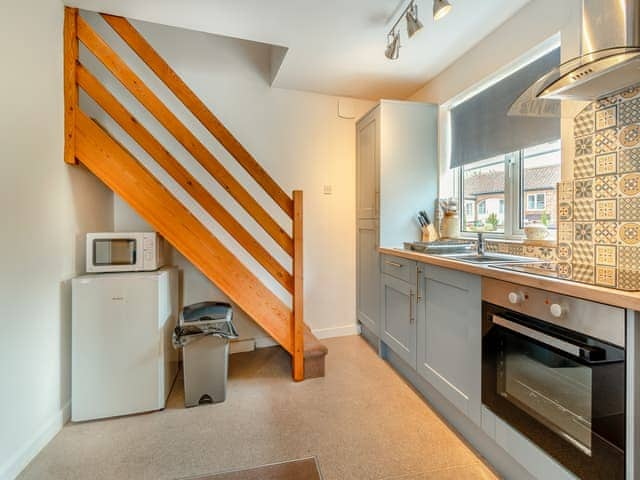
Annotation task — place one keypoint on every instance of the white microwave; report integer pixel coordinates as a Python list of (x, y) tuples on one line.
[(124, 252)]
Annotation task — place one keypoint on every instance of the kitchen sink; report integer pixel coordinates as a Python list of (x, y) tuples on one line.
[(485, 258)]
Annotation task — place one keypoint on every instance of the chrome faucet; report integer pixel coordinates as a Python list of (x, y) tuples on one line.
[(480, 244)]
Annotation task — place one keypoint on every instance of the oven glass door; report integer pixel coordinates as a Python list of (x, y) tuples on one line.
[(564, 391), (114, 251)]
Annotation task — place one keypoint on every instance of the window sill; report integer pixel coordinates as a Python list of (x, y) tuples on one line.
[(547, 242), (514, 239)]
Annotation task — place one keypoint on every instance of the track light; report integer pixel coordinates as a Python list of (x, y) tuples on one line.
[(413, 24), (410, 14), (440, 9), (392, 52)]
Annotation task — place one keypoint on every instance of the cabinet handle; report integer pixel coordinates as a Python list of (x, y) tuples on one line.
[(393, 264), (411, 317), (418, 296)]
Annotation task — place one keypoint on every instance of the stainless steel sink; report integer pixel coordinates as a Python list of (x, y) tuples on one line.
[(485, 258)]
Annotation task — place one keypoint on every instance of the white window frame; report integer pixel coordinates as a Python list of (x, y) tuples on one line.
[(512, 189)]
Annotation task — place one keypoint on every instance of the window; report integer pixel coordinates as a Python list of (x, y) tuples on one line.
[(505, 150), (512, 190), (468, 208), (535, 201), (483, 186), (540, 174)]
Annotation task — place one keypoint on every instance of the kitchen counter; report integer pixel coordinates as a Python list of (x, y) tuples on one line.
[(610, 296)]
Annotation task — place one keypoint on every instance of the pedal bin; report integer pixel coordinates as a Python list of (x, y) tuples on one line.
[(203, 332)]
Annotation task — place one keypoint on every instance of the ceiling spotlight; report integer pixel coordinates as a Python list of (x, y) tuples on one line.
[(392, 52), (440, 8), (413, 24)]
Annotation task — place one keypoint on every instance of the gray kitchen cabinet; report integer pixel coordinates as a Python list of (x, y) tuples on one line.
[(396, 176), (449, 336), (368, 275), (368, 165), (398, 314)]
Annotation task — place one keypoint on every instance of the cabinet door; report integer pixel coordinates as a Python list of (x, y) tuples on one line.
[(450, 336), (368, 275), (398, 313), (368, 165)]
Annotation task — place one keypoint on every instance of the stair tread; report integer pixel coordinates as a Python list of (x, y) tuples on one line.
[(312, 346)]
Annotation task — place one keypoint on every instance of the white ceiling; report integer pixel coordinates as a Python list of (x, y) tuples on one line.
[(334, 46)]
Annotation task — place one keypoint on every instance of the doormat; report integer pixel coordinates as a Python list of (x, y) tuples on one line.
[(303, 469)]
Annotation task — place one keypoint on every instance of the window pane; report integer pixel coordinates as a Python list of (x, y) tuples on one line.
[(483, 194), (540, 177)]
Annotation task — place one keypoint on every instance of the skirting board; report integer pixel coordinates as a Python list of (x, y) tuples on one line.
[(30, 449), (343, 331), (239, 346), (247, 345)]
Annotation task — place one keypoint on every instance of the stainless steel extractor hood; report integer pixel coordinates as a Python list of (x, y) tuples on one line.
[(610, 59)]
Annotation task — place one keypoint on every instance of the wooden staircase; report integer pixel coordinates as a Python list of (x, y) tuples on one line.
[(89, 143)]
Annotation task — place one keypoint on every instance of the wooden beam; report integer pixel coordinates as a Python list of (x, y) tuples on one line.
[(181, 90), (140, 189), (154, 105), (297, 332), (181, 175), (70, 42)]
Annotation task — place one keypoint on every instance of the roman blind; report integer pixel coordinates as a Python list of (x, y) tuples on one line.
[(481, 128)]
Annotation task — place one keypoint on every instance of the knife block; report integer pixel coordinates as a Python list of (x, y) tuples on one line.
[(429, 233)]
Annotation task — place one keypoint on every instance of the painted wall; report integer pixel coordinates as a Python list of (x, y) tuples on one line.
[(534, 24), (299, 139), (46, 207)]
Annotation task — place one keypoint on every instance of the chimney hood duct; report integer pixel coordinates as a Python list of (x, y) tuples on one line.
[(610, 59)]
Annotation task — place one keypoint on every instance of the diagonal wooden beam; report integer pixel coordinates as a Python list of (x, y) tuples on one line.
[(70, 42), (154, 148), (154, 105), (181, 90), (121, 172)]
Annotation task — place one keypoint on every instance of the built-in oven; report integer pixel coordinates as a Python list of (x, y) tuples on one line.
[(553, 368)]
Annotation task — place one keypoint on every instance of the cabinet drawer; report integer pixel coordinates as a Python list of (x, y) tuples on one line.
[(400, 268)]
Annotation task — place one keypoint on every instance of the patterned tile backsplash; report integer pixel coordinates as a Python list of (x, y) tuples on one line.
[(599, 210)]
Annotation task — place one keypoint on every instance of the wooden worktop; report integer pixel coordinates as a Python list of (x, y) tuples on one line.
[(610, 296)]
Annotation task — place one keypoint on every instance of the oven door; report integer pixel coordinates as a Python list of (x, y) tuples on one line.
[(563, 390)]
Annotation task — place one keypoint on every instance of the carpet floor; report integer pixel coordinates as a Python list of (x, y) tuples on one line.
[(361, 421)]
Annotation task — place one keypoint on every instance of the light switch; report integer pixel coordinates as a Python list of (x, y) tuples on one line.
[(327, 189)]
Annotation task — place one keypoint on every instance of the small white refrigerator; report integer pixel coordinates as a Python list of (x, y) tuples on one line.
[(123, 361)]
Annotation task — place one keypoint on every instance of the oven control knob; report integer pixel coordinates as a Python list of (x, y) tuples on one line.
[(556, 310), (516, 297)]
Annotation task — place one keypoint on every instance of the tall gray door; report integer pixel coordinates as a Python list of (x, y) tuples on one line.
[(368, 275), (368, 165)]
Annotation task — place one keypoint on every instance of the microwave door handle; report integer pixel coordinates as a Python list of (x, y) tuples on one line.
[(570, 348)]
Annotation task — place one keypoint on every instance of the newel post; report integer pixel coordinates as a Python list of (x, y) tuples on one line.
[(298, 292)]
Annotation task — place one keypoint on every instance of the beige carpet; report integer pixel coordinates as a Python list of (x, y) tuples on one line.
[(361, 421), (305, 469)]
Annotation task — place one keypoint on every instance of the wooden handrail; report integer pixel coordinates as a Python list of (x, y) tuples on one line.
[(121, 172), (154, 105), (70, 42), (181, 90), (297, 327), (181, 175)]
